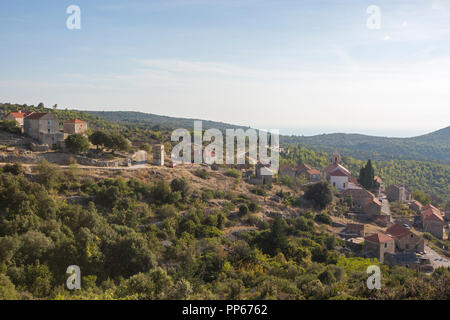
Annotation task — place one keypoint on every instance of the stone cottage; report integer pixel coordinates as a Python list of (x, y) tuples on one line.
[(405, 239), (43, 127), (432, 221), (372, 207), (18, 116), (75, 126), (377, 245), (397, 193), (359, 196)]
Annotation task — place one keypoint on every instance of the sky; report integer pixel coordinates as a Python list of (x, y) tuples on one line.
[(304, 67)]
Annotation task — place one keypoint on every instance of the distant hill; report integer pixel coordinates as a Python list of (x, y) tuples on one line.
[(434, 146), (158, 121)]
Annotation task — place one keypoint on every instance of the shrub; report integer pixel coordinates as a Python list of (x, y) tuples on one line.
[(319, 194), (15, 169), (77, 143), (323, 218), (243, 210), (11, 126), (234, 173), (202, 173), (168, 211)]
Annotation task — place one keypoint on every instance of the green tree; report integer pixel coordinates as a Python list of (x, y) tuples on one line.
[(319, 194), (7, 289), (181, 185), (118, 142), (367, 176), (15, 169), (48, 174), (77, 143), (243, 210), (421, 197), (99, 138)]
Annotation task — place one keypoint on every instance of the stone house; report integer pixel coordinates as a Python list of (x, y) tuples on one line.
[(415, 206), (43, 127), (301, 169), (356, 229), (372, 207), (405, 239), (263, 173), (75, 126), (18, 116), (313, 175), (397, 193), (380, 184), (377, 245), (359, 196), (432, 221), (287, 170)]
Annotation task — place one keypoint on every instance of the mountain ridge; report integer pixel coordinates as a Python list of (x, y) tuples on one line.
[(433, 146)]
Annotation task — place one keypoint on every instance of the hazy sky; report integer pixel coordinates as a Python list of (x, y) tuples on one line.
[(304, 67)]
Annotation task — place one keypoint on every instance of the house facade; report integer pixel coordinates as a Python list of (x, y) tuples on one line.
[(18, 116), (415, 206), (432, 221), (43, 127), (75, 126), (359, 196), (372, 207), (377, 245), (397, 193), (405, 239), (313, 175)]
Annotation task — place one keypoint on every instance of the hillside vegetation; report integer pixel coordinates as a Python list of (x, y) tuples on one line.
[(430, 147)]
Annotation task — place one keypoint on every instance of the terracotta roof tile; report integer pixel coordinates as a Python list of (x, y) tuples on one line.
[(378, 238), (75, 121), (398, 230)]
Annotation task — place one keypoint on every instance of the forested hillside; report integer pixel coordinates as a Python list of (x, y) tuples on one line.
[(147, 238), (431, 147)]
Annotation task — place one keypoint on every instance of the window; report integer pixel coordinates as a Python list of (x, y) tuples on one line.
[(385, 245), (407, 246), (412, 235), (48, 130)]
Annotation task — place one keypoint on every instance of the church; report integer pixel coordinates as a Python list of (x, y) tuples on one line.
[(338, 175)]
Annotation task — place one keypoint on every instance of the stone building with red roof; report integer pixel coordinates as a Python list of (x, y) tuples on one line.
[(75, 126), (432, 221), (18, 116), (377, 245), (372, 207), (405, 239), (43, 127)]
